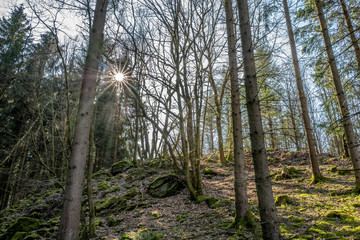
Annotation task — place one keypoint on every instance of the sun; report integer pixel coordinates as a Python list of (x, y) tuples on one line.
[(119, 77)]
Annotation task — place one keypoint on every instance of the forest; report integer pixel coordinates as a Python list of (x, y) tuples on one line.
[(179, 119)]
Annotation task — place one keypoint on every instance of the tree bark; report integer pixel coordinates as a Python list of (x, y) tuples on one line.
[(354, 41), (241, 198), (218, 105), (302, 97), (70, 218), (117, 123), (91, 161), (268, 213), (342, 102)]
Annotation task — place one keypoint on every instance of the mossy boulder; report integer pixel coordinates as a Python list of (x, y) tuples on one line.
[(120, 167), (282, 199), (130, 194), (33, 237), (20, 228), (337, 215), (103, 186), (287, 173), (221, 203), (164, 163), (165, 186), (102, 174), (114, 189), (19, 236), (209, 172), (112, 221), (208, 200), (332, 169), (110, 203), (143, 234)]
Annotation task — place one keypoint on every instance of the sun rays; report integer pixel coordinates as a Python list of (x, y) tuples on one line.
[(118, 77)]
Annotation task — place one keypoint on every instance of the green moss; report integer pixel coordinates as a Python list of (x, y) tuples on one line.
[(343, 172), (163, 163), (54, 221), (103, 186), (33, 237), (44, 232), (316, 179), (130, 194), (209, 171), (120, 167), (18, 236), (221, 203), (110, 203), (296, 219), (337, 215), (357, 189), (155, 214), (229, 157), (111, 221), (102, 174), (316, 231), (23, 224), (282, 199), (143, 234), (208, 200), (211, 159), (288, 173), (114, 189), (249, 221), (201, 199), (332, 169), (165, 186), (134, 206), (211, 201)]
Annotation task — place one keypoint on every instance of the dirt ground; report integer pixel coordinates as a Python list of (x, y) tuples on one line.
[(327, 210)]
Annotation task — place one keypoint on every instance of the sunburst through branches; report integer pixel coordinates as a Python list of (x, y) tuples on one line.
[(118, 76)]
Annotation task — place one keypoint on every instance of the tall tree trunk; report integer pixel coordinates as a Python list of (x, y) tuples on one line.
[(272, 131), (136, 137), (70, 218), (17, 184), (241, 198), (91, 161), (293, 122), (268, 213), (302, 97), (117, 123), (212, 148), (204, 119), (217, 100), (343, 105), (354, 40)]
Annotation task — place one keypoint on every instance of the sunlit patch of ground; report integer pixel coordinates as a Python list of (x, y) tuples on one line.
[(327, 210)]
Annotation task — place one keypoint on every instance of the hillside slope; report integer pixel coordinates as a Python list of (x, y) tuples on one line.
[(125, 210)]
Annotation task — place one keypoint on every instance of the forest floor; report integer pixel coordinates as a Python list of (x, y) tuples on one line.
[(327, 210)]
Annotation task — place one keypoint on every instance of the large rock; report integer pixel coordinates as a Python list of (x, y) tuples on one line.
[(120, 167), (116, 203), (20, 228), (165, 186)]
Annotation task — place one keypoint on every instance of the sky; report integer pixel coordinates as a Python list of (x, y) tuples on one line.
[(5, 6), (68, 20)]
